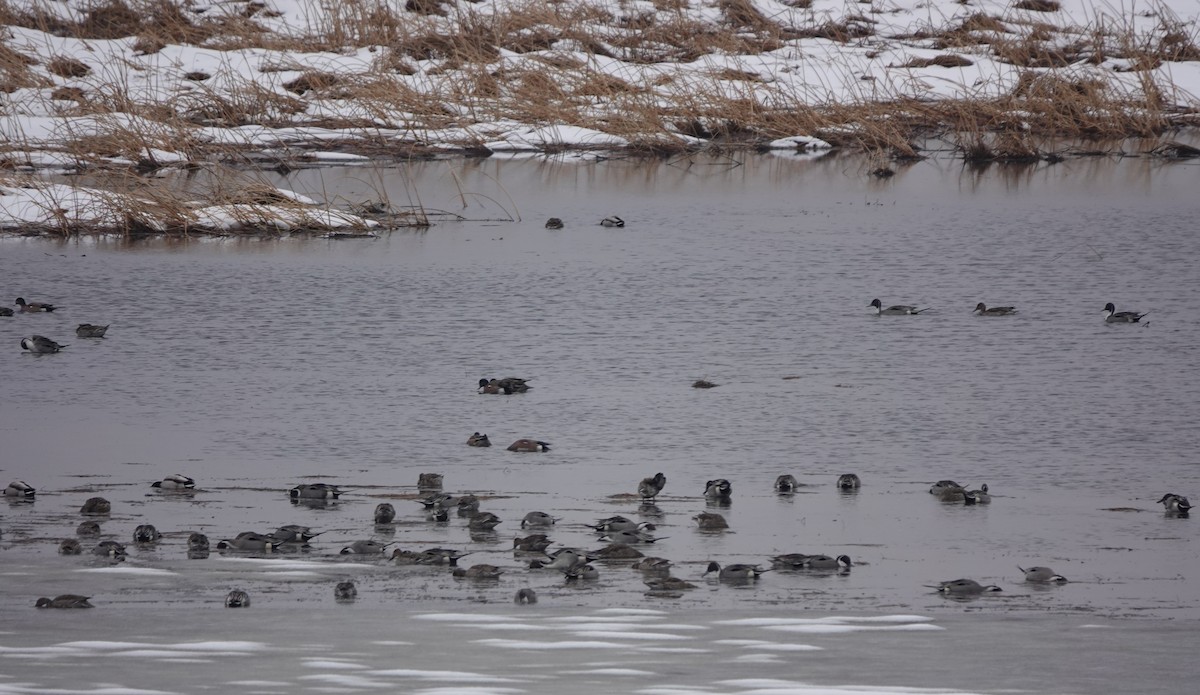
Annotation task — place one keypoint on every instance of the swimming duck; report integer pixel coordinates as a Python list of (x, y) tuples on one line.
[(947, 490), (5, 311), (650, 487), (251, 542), (40, 345), (529, 445), (175, 481), (738, 572), (668, 583), (345, 591), (70, 546), (1042, 575), (64, 601), (965, 587), (293, 533), (442, 556), (146, 533), (478, 439), (1111, 315), (19, 488), (369, 547), (197, 542), (30, 307), (525, 597), (581, 570), (438, 500), (786, 484), (718, 489), (409, 557), (554, 223), (652, 565), (478, 572), (616, 523), (536, 543), (110, 549), (468, 505), (790, 561), (87, 330), (430, 481), (616, 551), (385, 513), (711, 521), (507, 385), (315, 491), (849, 481), (87, 528), (825, 562), (1175, 504), (979, 496), (96, 505), (237, 599), (483, 521), (994, 311), (537, 519), (629, 537), (612, 221), (895, 309)]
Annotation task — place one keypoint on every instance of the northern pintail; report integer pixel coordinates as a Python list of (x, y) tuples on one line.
[(1111, 315), (507, 385), (442, 556), (1175, 504), (616, 551), (564, 559), (197, 543), (430, 481), (650, 487), (668, 583), (40, 345), (88, 330), (612, 221), (385, 513), (525, 597), (315, 491), (31, 307), (825, 562), (478, 572), (19, 488), (529, 445), (96, 505), (249, 541), (294, 533), (468, 505), (175, 481), (789, 561), (718, 490), (581, 570), (849, 481), (617, 523), (994, 311), (64, 601), (478, 439), (146, 533), (534, 543), (345, 591), (947, 490), (895, 309), (737, 572), (1042, 575), (964, 587), (483, 521), (70, 546), (786, 484), (5, 311), (237, 599), (979, 496), (537, 519), (368, 547), (652, 565), (711, 521), (554, 223), (111, 549), (87, 528), (630, 537), (704, 384)]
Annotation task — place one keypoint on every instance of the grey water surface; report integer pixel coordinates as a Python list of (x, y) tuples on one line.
[(254, 365)]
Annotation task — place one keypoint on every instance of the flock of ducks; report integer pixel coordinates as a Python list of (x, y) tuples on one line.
[(41, 345), (1111, 315)]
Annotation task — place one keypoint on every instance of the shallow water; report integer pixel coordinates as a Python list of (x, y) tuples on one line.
[(256, 365)]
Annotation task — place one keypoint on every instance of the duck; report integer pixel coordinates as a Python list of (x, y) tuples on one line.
[(535, 543), (96, 505), (825, 562), (1042, 575), (711, 521), (88, 529), (175, 481), (849, 481), (30, 307), (718, 489), (525, 597), (612, 221), (629, 537), (385, 513), (70, 546), (965, 587), (1175, 504), (293, 533), (40, 345), (315, 491), (616, 551), (668, 583), (786, 484), (64, 601), (438, 500), (650, 487), (507, 385), (554, 223), (442, 556), (5, 311), (979, 496), (947, 490), (345, 591), (197, 543), (146, 533), (88, 330), (562, 559), (736, 572), (110, 549), (430, 481), (1111, 315), (478, 439), (468, 505), (368, 547), (237, 599), (790, 561), (483, 521), (537, 519), (994, 311), (478, 572), (20, 488), (895, 309), (652, 565), (617, 523), (251, 542), (581, 570), (529, 445)]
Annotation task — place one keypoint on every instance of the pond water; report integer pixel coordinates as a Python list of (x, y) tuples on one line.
[(256, 365)]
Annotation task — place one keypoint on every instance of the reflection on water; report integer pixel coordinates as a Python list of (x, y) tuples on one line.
[(255, 366)]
